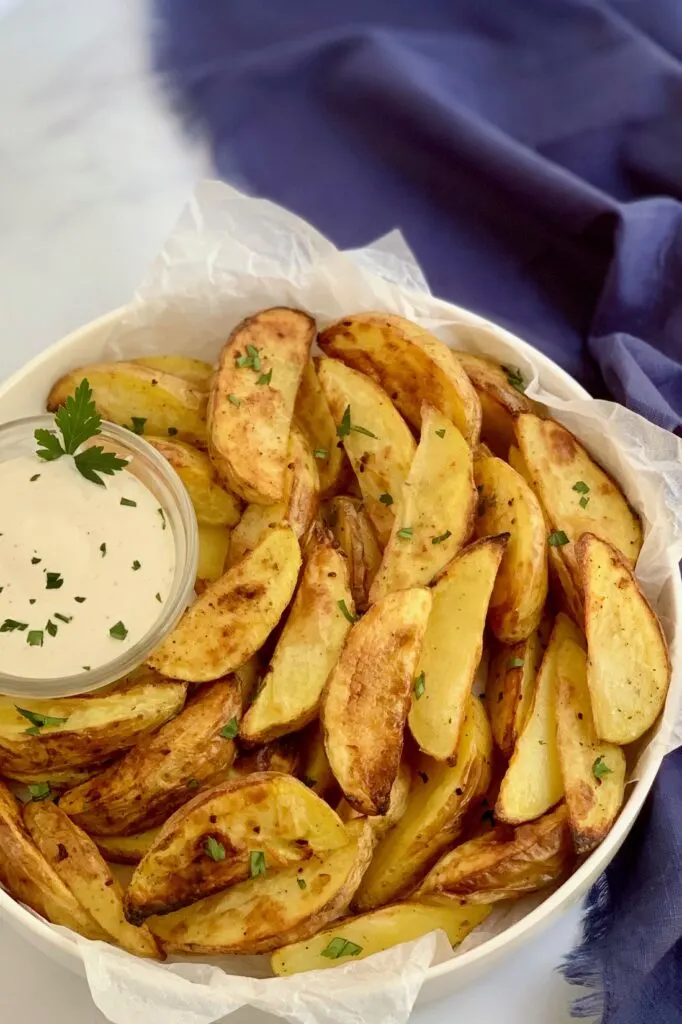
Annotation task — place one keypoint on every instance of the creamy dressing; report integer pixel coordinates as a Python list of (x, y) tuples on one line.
[(84, 574)]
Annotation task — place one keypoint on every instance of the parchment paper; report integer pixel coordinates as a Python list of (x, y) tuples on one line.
[(228, 257)]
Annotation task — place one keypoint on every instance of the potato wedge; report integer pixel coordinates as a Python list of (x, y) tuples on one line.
[(125, 849), (312, 414), (352, 529), (314, 768), (376, 438), (397, 805), (367, 697), (628, 670), (251, 401), (355, 938), (29, 878), (440, 797), (558, 464), (281, 756), (408, 362), (60, 779), (435, 512), (96, 726), (195, 371), (161, 773), (214, 506), (262, 913), (308, 648), (510, 687), (506, 504), (234, 616), (126, 392), (593, 770), (452, 647), (500, 399), (214, 543), (532, 783), (268, 820), (505, 863), (74, 857)]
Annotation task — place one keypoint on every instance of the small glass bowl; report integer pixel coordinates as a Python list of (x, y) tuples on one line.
[(16, 438)]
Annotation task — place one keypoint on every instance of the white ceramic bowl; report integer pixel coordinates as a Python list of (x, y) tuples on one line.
[(24, 394)]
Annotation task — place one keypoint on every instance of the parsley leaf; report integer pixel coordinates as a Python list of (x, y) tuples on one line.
[(163, 517), (581, 487), (365, 431), (103, 549), (405, 533), (39, 791), (129, 502), (515, 663), (443, 536), (34, 638), (118, 632), (600, 769), (347, 614), (80, 600), (136, 565), (515, 378), (51, 628), (419, 686), (234, 400), (229, 731), (321, 453), (265, 378), (138, 423), (386, 498), (94, 460), (557, 539), (54, 581), (9, 625), (63, 618), (339, 947), (36, 476), (214, 849), (583, 501), (39, 721), (441, 433), (49, 446), (256, 863), (343, 429), (78, 419), (301, 883)]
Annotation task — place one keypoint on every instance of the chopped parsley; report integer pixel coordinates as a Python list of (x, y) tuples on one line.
[(515, 663), (557, 539), (405, 533), (442, 537), (63, 618), (256, 863), (301, 883), (339, 947), (118, 632), (321, 453), (347, 614), (423, 776), (80, 600), (345, 426), (214, 849), (39, 791), (192, 783), (249, 361), (136, 565), (441, 433), (386, 498), (86, 668), (581, 487), (157, 595), (9, 625), (129, 502), (163, 517), (34, 638), (265, 378), (229, 731), (419, 686), (51, 628), (584, 501), (515, 378), (600, 769), (37, 720), (138, 423), (54, 581), (35, 561), (234, 400), (36, 476), (103, 549)]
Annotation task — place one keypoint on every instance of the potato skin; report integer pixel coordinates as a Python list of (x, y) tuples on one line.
[(353, 531)]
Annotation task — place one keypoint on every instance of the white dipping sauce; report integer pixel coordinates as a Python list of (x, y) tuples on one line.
[(62, 539)]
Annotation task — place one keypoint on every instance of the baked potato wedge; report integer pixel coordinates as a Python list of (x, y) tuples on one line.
[(235, 615), (262, 913), (376, 438), (263, 822), (308, 648), (125, 849), (281, 756), (162, 771), (355, 938), (452, 648), (194, 371), (435, 512), (73, 856), (214, 506), (628, 670), (397, 804), (314, 768), (409, 363), (353, 531), (500, 393), (60, 779), (251, 401), (510, 687), (506, 504), (148, 401), (366, 700), (312, 414), (214, 543), (440, 797), (593, 770), (506, 862)]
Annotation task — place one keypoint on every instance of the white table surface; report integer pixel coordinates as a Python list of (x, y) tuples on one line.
[(93, 172)]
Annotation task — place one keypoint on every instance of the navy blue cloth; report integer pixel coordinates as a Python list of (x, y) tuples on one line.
[(531, 152)]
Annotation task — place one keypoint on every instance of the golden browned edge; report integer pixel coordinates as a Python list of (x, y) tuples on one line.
[(509, 398)]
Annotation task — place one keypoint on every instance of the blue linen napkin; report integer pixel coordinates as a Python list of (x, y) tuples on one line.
[(531, 153)]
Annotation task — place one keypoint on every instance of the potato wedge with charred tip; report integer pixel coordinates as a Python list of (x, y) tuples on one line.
[(314, 768), (125, 849), (88, 729), (235, 615), (500, 393), (160, 774), (628, 669), (352, 529), (533, 783), (409, 363), (366, 700), (251, 401), (195, 371), (312, 414), (452, 648), (506, 504), (435, 512), (355, 938), (300, 899), (510, 687), (74, 857), (127, 392), (214, 543), (397, 805), (214, 841), (308, 648), (505, 863), (214, 506), (440, 797), (377, 440), (592, 769), (281, 756)]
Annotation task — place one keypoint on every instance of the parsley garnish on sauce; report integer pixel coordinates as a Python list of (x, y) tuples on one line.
[(34, 638), (81, 599), (9, 625), (136, 565), (54, 581), (103, 549), (339, 947), (129, 502), (163, 517), (256, 863), (118, 632), (63, 618), (36, 476), (51, 628)]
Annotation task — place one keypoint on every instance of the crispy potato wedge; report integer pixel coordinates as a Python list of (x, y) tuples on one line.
[(352, 529), (159, 774), (315, 769), (355, 938), (367, 697), (308, 648), (452, 647), (436, 507), (408, 362), (234, 616), (281, 756), (376, 438), (532, 783), (510, 686), (558, 463), (312, 414), (214, 506), (251, 529), (506, 504), (125, 849), (124, 392), (397, 805), (74, 857), (593, 770), (506, 862), (97, 725), (628, 671), (29, 878), (500, 399), (195, 371), (60, 779), (210, 844), (214, 543), (248, 421), (262, 913), (440, 797)]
